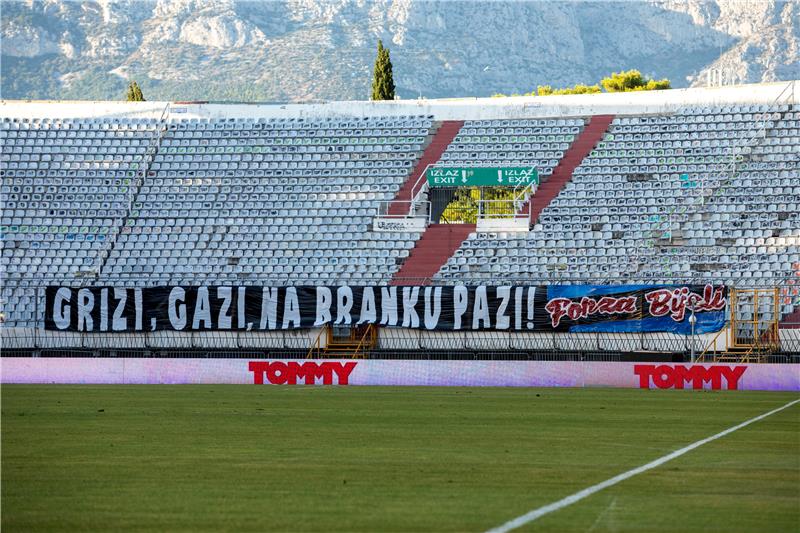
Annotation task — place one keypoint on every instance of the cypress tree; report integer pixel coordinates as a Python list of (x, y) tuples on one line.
[(134, 93), (382, 79)]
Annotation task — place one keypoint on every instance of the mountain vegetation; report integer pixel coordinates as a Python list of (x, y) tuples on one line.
[(316, 50)]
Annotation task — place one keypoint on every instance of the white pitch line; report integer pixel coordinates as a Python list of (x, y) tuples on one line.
[(578, 496), (607, 510)]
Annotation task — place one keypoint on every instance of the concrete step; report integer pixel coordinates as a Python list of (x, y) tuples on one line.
[(434, 248), (581, 147), (433, 152)]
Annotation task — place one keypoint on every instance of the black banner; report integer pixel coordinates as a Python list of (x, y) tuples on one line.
[(460, 308)]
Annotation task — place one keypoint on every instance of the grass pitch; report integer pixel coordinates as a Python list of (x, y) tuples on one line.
[(191, 458)]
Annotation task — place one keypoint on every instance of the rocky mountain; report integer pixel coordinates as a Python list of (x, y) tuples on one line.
[(305, 50)]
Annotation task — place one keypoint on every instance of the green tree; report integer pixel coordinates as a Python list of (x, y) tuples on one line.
[(547, 90), (134, 93), (632, 80), (382, 79), (581, 89)]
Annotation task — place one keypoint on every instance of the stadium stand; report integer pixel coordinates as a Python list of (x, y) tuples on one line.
[(541, 143), (546, 144), (66, 185), (644, 170), (299, 190), (697, 188), (432, 250), (552, 185), (442, 137)]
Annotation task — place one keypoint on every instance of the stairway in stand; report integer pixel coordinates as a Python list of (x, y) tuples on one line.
[(440, 241), (441, 140), (581, 147), (432, 250)]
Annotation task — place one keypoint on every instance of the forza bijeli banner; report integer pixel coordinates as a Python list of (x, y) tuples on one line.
[(567, 308)]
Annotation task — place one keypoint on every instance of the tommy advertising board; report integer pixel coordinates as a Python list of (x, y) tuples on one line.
[(294, 372), (563, 308)]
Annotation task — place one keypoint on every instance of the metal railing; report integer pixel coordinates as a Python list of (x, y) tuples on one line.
[(500, 209), (317, 350), (416, 209), (517, 207), (421, 184), (412, 343), (789, 281)]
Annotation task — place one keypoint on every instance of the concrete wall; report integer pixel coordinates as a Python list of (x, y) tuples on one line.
[(638, 103)]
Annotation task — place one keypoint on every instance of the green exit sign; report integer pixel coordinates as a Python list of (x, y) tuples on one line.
[(482, 177)]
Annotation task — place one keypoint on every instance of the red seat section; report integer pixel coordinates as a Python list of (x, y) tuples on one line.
[(441, 140), (583, 145), (432, 251)]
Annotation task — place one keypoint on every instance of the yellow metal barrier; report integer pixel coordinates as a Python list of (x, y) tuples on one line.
[(713, 344), (354, 347), (752, 334), (316, 351)]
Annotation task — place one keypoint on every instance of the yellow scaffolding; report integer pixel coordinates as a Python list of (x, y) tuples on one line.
[(753, 327), (360, 340)]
